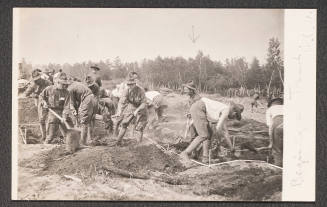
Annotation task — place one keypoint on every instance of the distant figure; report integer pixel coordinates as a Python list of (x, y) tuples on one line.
[(48, 75), (274, 118), (255, 101), (95, 74), (56, 75), (91, 83)]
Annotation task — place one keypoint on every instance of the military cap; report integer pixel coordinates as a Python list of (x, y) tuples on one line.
[(95, 67)]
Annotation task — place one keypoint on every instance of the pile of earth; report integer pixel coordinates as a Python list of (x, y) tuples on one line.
[(239, 180), (133, 158)]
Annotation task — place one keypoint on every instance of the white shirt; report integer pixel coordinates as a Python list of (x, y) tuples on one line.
[(120, 88), (273, 111), (151, 94), (56, 75), (45, 76), (214, 109)]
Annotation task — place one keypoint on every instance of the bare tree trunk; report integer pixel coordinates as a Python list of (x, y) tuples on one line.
[(268, 89)]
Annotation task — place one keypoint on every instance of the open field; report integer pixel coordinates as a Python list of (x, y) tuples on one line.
[(152, 170)]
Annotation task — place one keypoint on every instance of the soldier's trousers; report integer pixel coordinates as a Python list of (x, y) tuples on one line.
[(54, 123)]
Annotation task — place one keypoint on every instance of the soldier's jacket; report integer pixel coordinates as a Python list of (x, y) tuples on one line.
[(134, 97), (77, 93), (36, 89), (56, 98), (191, 101), (95, 89)]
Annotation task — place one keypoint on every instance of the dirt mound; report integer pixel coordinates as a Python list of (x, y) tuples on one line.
[(27, 111), (136, 159), (146, 157), (241, 181)]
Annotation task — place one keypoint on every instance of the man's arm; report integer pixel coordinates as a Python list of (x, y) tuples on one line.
[(31, 88), (44, 98), (270, 130), (123, 101), (67, 105), (222, 119), (142, 105)]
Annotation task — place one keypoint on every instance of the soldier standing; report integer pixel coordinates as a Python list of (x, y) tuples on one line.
[(56, 97), (132, 107), (34, 90)]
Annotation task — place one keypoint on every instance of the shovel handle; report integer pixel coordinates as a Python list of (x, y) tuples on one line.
[(60, 118)]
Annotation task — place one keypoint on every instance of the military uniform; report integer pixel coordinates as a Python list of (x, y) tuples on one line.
[(34, 90), (131, 100), (97, 78), (56, 100), (274, 118), (83, 101), (107, 108), (157, 101)]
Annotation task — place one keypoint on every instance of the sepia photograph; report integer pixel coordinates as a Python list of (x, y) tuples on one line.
[(160, 105)]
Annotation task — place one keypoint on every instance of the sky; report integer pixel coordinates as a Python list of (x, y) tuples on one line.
[(70, 35)]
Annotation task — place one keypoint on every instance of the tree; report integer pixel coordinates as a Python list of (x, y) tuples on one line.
[(275, 65), (255, 76)]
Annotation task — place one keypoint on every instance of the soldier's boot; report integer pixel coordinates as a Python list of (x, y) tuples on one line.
[(43, 131), (205, 151), (121, 135), (90, 132), (84, 130), (194, 144), (63, 131), (52, 133), (139, 136)]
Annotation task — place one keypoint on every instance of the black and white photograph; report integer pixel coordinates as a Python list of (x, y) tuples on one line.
[(163, 104)]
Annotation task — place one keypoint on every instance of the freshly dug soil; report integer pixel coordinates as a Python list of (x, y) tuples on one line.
[(138, 159), (237, 181)]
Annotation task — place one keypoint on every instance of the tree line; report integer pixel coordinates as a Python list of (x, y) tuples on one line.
[(209, 75)]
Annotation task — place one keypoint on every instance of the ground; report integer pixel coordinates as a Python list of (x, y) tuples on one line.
[(152, 170)]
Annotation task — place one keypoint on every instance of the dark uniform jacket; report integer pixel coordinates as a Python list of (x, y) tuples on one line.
[(56, 98), (134, 98), (36, 89), (77, 92)]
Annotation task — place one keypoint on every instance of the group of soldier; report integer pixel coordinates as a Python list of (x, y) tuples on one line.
[(78, 102)]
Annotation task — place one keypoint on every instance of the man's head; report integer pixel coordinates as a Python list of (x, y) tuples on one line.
[(189, 88), (131, 82), (275, 101), (95, 68), (135, 75), (235, 111), (47, 71), (62, 81), (89, 80), (36, 76), (60, 70)]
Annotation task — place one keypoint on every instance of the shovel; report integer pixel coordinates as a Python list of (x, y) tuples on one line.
[(73, 134), (62, 120), (188, 124)]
